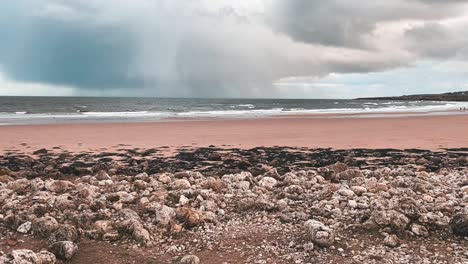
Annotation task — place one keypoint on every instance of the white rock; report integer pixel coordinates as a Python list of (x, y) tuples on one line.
[(23, 256), (319, 233), (183, 200), (268, 183), (24, 228), (190, 259)]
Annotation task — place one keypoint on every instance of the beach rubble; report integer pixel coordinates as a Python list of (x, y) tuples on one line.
[(337, 213)]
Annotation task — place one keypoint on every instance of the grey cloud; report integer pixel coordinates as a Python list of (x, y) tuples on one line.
[(190, 48), (350, 23), (435, 40)]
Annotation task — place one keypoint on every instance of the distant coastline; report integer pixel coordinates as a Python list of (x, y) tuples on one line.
[(454, 96)]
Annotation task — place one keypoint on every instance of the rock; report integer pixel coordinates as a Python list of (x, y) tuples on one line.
[(165, 178), (243, 185), (352, 204), (267, 183), (135, 229), (103, 226), (428, 198), (44, 226), (125, 197), (391, 241), (64, 233), (20, 186), (63, 250), (181, 184), (319, 233), (24, 228), (459, 224), (338, 167), (23, 256), (190, 259), (272, 173), (308, 247), (396, 220), (59, 186), (6, 179), (41, 151), (164, 214), (183, 200), (419, 230), (12, 221), (46, 257), (189, 216), (349, 174), (216, 185), (128, 213), (346, 192), (102, 176), (359, 190)]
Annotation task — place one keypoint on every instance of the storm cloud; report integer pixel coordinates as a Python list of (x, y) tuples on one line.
[(224, 48)]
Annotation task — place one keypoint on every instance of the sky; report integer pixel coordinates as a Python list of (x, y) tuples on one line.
[(232, 48)]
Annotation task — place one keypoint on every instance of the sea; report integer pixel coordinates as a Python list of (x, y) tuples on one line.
[(44, 110)]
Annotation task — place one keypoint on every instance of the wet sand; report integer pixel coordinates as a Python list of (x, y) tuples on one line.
[(426, 132)]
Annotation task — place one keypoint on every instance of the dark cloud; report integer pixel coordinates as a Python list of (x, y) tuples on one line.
[(205, 48), (46, 50)]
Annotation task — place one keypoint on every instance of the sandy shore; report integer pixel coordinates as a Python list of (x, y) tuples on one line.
[(427, 132)]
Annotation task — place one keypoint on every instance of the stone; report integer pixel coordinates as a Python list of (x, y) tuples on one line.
[(190, 259), (391, 241), (396, 220), (23, 256), (64, 233), (272, 173), (319, 233), (44, 226), (6, 179), (243, 185), (102, 176), (359, 190), (338, 167), (189, 216), (181, 184), (103, 226), (419, 230), (183, 200), (346, 192), (63, 250), (46, 257), (125, 197), (216, 185), (25, 228), (135, 229), (19, 186), (352, 204), (349, 174), (59, 186), (267, 183), (164, 214), (459, 224), (165, 178)]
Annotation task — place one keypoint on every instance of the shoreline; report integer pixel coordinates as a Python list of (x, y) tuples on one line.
[(421, 132), (44, 119)]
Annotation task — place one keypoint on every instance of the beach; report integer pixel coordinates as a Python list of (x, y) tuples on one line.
[(339, 132), (282, 189)]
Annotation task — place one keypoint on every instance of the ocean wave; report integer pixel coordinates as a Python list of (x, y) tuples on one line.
[(384, 107)]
